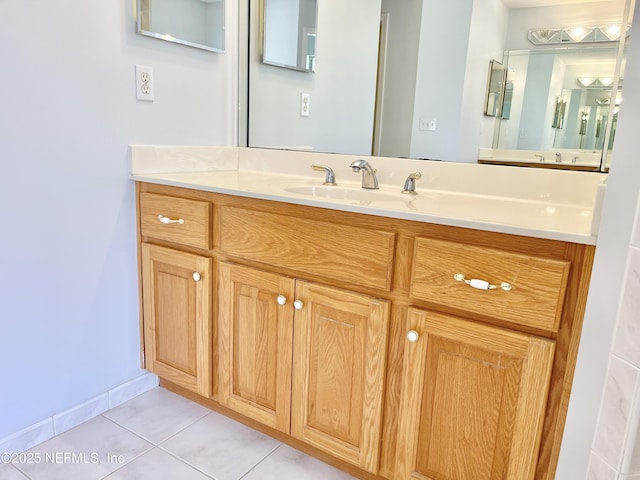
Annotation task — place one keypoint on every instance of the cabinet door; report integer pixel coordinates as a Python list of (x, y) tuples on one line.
[(256, 336), (176, 291), (473, 400), (340, 343)]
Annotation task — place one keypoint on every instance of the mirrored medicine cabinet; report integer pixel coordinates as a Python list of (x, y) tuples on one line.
[(289, 34), (195, 23)]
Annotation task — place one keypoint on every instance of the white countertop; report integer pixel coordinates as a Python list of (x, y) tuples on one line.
[(482, 197)]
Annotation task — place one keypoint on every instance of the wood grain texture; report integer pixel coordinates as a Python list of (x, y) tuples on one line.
[(472, 402), (347, 253), (538, 284), (177, 316), (256, 344), (568, 341), (338, 374), (195, 230)]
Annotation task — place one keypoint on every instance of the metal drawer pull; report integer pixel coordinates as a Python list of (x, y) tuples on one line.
[(413, 336), (281, 299), (167, 220), (482, 284), (196, 276)]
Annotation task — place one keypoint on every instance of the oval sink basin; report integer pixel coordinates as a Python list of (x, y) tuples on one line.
[(348, 194)]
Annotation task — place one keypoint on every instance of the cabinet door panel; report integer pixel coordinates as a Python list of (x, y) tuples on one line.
[(176, 312), (256, 344), (339, 351), (473, 400)]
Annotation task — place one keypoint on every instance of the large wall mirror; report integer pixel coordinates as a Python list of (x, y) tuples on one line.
[(196, 23), (408, 78)]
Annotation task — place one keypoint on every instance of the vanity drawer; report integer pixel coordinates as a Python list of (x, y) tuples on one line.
[(340, 252), (533, 297), (175, 219)]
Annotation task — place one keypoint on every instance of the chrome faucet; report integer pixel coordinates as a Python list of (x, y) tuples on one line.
[(369, 179), (410, 183), (330, 177), (540, 156), (558, 157)]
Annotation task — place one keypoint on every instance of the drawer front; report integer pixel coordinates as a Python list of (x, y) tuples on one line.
[(340, 252), (533, 297), (175, 219)]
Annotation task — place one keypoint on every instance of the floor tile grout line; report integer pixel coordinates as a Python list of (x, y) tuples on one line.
[(186, 462), (29, 477), (165, 439), (260, 461), (183, 429)]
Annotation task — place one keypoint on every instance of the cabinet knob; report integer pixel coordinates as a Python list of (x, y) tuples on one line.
[(282, 300), (298, 304), (196, 276), (413, 336)]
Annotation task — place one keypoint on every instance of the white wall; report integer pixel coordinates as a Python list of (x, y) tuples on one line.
[(485, 44), (400, 77), (451, 88), (440, 78), (68, 288)]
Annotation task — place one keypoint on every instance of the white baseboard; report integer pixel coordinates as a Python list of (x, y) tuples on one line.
[(61, 422)]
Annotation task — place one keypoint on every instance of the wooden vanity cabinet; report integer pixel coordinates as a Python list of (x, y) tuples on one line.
[(305, 359), (360, 339)]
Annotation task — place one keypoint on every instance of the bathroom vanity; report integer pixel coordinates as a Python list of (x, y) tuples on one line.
[(395, 336)]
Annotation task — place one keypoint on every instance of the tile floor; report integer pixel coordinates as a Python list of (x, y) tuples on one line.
[(160, 435)]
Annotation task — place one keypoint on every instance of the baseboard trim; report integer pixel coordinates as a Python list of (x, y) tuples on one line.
[(61, 422)]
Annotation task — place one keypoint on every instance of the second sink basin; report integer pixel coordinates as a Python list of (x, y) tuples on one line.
[(348, 194)]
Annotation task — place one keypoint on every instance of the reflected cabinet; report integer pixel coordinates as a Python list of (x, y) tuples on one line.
[(389, 348)]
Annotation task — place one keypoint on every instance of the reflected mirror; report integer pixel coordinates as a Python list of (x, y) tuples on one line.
[(495, 89), (289, 34), (562, 99), (196, 23)]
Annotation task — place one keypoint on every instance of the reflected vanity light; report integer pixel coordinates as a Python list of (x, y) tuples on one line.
[(577, 34), (595, 82), (586, 81), (611, 31)]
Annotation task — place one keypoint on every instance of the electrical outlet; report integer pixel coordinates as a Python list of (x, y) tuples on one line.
[(305, 98), (427, 125), (144, 83)]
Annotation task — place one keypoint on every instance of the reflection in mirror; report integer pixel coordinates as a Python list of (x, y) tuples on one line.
[(196, 23), (413, 83), (289, 34), (495, 89), (562, 99), (558, 116)]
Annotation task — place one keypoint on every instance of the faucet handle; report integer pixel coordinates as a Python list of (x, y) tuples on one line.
[(410, 183), (330, 177)]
